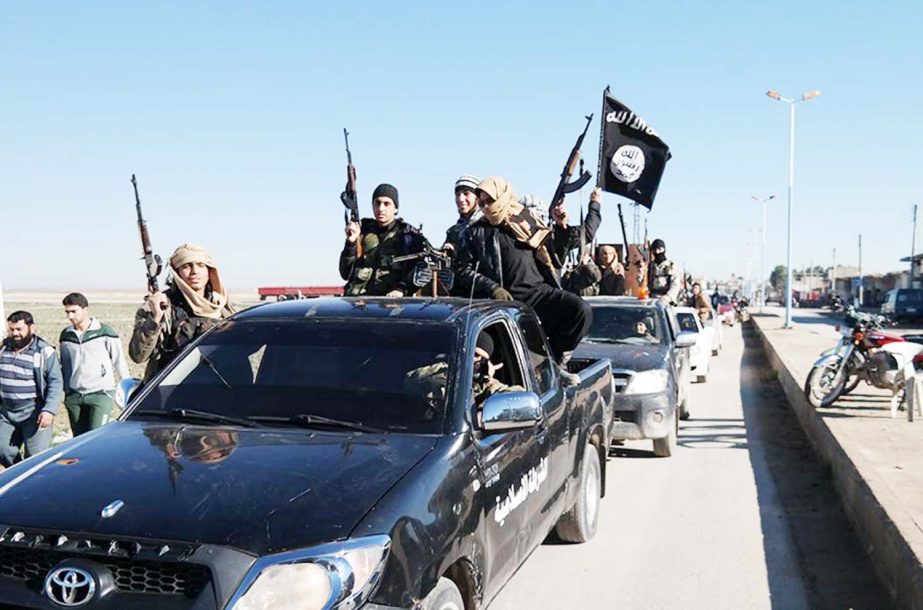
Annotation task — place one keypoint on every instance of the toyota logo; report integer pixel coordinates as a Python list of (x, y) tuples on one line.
[(70, 587)]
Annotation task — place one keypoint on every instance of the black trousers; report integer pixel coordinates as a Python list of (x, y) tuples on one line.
[(565, 317)]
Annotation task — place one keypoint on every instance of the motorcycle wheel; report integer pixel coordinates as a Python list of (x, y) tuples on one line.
[(856, 363), (850, 385), (820, 389)]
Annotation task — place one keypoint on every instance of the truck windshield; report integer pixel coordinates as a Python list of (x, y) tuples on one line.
[(637, 325), (392, 376)]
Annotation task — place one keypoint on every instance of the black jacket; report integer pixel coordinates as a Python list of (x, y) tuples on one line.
[(479, 263)]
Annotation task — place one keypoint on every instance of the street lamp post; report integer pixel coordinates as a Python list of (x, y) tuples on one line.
[(763, 251), (791, 187)]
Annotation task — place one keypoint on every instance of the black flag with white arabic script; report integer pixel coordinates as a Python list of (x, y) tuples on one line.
[(632, 156)]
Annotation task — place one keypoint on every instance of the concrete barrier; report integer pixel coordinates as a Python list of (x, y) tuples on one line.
[(890, 534)]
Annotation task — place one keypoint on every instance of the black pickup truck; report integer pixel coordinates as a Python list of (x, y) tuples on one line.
[(650, 364), (317, 454)]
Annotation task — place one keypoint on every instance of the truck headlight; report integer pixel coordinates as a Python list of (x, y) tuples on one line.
[(337, 575), (647, 382)]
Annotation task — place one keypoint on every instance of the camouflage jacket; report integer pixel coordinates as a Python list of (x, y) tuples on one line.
[(372, 271), (157, 344)]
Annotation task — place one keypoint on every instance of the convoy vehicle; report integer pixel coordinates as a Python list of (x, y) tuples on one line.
[(700, 353), (650, 365), (725, 308), (319, 454), (903, 304)]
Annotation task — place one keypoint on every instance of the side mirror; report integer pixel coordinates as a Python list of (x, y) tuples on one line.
[(685, 339), (511, 411), (125, 390)]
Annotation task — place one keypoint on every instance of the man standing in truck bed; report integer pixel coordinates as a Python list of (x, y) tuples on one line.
[(509, 256), (371, 245)]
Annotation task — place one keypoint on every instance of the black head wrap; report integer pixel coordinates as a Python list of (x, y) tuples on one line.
[(486, 343), (386, 190)]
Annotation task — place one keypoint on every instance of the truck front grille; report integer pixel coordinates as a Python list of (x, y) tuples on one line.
[(136, 567)]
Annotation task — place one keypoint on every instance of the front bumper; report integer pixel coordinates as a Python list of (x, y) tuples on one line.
[(642, 416)]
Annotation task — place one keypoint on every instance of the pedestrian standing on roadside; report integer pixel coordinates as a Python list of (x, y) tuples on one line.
[(30, 390), (91, 356), (194, 302)]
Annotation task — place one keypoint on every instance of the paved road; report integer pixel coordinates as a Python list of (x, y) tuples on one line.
[(740, 517)]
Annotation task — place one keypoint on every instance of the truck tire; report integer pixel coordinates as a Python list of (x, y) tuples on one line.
[(683, 409), (579, 523), (664, 447), (444, 596)]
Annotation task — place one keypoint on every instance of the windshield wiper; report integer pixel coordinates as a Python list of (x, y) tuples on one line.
[(193, 415), (307, 420), (601, 340)]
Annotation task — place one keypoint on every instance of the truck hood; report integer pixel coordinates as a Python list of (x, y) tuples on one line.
[(625, 356), (255, 489)]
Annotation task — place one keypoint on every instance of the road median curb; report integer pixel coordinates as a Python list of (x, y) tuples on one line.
[(887, 530)]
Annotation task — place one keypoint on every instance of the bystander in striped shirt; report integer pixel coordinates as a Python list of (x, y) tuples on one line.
[(17, 378)]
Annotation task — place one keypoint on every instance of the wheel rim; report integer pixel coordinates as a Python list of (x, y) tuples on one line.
[(591, 495)]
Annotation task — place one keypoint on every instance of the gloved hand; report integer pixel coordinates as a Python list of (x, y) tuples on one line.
[(502, 294)]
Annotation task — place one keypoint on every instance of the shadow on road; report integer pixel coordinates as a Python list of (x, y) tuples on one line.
[(800, 512)]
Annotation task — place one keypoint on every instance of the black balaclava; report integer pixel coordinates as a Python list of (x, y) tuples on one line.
[(659, 258)]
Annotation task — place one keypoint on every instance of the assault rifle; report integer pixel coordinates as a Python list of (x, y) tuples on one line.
[(152, 262), (348, 196), (433, 270), (565, 187)]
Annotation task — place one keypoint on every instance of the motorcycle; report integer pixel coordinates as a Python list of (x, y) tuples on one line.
[(741, 312), (867, 353)]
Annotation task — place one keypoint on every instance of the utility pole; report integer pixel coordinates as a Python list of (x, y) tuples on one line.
[(913, 244), (861, 291), (833, 273)]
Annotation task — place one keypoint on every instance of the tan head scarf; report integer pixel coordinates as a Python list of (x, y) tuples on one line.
[(505, 202), (506, 210), (211, 306), (616, 266)]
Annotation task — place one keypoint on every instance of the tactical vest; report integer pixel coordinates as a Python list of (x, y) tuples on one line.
[(661, 277), (374, 274)]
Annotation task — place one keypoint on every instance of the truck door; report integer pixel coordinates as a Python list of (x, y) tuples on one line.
[(682, 357), (513, 466), (556, 404)]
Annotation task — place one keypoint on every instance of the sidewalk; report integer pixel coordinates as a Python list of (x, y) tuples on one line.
[(876, 461)]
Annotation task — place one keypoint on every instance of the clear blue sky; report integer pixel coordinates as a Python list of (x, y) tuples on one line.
[(231, 114)]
